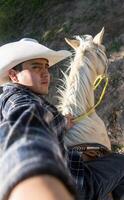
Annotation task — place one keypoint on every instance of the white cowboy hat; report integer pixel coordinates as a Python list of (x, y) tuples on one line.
[(14, 53)]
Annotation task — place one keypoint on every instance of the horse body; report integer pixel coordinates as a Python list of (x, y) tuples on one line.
[(77, 98)]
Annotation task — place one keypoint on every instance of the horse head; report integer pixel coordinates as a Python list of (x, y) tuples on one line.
[(88, 48)]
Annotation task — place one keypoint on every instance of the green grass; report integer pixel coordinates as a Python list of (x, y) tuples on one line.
[(114, 46), (16, 15)]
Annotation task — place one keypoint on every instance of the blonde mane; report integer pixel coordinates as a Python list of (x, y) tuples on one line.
[(77, 98)]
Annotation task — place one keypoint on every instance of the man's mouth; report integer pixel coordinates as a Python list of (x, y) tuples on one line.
[(44, 82)]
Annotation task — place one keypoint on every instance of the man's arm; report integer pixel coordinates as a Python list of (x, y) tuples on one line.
[(40, 188), (29, 149)]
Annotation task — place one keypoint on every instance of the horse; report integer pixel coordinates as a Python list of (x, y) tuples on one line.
[(77, 97)]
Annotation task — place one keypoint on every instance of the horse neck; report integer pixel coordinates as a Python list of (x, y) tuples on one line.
[(79, 94)]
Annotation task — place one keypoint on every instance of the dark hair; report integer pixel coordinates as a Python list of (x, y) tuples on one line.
[(18, 67)]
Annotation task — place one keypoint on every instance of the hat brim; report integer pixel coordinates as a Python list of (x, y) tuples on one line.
[(15, 53)]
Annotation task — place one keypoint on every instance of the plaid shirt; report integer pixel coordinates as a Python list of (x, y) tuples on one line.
[(30, 139)]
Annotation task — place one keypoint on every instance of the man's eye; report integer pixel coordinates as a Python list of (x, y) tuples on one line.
[(36, 67)]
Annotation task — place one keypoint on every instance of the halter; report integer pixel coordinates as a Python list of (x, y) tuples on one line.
[(96, 84)]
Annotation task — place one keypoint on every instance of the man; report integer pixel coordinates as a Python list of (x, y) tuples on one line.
[(32, 162)]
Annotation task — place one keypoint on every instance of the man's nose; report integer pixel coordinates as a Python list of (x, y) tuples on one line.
[(44, 72)]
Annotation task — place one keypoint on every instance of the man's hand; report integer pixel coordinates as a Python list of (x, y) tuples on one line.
[(70, 119)]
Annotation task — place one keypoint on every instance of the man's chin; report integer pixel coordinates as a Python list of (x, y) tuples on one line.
[(40, 92), (45, 92)]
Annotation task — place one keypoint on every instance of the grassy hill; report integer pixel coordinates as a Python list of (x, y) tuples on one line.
[(51, 20)]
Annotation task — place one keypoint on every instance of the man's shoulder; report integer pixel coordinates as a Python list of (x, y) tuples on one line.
[(14, 95)]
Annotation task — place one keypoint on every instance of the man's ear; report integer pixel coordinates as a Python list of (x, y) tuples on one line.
[(13, 75)]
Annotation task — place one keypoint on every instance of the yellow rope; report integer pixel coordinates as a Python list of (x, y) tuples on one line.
[(98, 81), (96, 84)]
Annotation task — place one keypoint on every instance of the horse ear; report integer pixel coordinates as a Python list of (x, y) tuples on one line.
[(99, 37), (73, 43)]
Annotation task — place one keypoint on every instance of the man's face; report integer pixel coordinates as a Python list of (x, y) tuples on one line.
[(35, 75)]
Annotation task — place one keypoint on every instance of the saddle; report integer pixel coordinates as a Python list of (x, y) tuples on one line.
[(91, 151)]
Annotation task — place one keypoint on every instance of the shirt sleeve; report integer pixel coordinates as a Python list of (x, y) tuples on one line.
[(28, 148)]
